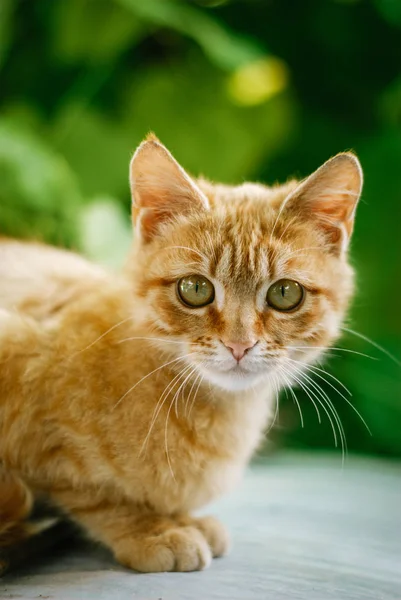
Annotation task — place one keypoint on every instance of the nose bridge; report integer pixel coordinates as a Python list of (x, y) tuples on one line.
[(240, 326)]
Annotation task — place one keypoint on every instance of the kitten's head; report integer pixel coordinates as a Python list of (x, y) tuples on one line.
[(250, 282)]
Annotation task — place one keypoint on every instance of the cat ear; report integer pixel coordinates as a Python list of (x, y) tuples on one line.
[(329, 198), (160, 188)]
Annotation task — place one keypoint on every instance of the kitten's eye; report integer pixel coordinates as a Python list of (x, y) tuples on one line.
[(195, 291), (285, 294)]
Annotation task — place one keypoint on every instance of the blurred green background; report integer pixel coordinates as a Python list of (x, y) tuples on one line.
[(237, 90)]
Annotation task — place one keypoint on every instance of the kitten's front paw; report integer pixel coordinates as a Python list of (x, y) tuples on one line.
[(176, 549), (215, 533)]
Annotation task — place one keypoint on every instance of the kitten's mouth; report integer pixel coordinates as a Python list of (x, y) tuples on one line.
[(234, 377), (239, 369), (234, 369)]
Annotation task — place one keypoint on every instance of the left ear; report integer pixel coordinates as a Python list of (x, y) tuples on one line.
[(160, 188), (329, 198)]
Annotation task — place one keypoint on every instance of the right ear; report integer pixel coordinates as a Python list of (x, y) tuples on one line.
[(328, 199), (160, 189)]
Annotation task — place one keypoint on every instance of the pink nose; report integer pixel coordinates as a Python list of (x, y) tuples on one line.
[(239, 349)]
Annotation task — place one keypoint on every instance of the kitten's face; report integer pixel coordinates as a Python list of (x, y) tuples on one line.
[(248, 287)]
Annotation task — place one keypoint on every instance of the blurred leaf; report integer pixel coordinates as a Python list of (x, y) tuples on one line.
[(201, 125), (23, 116), (376, 245), (391, 10), (258, 81), (97, 148), (390, 104), (106, 233), (379, 400), (170, 103), (211, 3), (225, 48), (93, 30), (39, 197), (6, 26)]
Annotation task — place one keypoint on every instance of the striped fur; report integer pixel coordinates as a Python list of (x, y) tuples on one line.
[(120, 404)]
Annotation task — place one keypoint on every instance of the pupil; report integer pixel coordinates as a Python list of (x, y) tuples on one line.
[(282, 288), (197, 287)]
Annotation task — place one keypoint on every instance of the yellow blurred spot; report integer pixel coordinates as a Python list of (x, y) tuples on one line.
[(258, 81)]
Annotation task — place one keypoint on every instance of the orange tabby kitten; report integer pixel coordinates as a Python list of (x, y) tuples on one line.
[(131, 400)]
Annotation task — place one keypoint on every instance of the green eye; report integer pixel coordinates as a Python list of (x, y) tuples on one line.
[(285, 294), (195, 291)]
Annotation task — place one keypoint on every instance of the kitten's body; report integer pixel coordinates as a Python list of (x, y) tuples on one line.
[(91, 418), (74, 435)]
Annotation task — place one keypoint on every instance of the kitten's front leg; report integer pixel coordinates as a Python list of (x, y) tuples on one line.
[(147, 542)]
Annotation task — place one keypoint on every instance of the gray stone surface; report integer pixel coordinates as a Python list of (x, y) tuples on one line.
[(303, 527)]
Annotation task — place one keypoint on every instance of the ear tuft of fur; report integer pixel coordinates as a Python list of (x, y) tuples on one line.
[(152, 137)]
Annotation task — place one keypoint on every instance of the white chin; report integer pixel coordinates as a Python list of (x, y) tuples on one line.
[(232, 381)]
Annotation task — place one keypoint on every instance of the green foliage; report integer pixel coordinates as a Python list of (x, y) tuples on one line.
[(223, 47), (76, 23), (237, 90), (6, 25), (32, 204)]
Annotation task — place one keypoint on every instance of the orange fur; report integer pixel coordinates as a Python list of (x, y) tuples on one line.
[(120, 403), (15, 505)]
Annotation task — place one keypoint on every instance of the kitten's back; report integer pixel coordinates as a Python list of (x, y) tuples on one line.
[(37, 279)]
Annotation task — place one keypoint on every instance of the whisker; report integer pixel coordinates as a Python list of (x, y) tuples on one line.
[(166, 442), (314, 370), (374, 344), (159, 405), (277, 387), (183, 389), (310, 398), (149, 339), (330, 404), (196, 393), (151, 373), (298, 250), (190, 393), (212, 249), (294, 397), (277, 409), (203, 256), (311, 393), (276, 221), (293, 394), (168, 390), (102, 336), (329, 349), (173, 402)]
